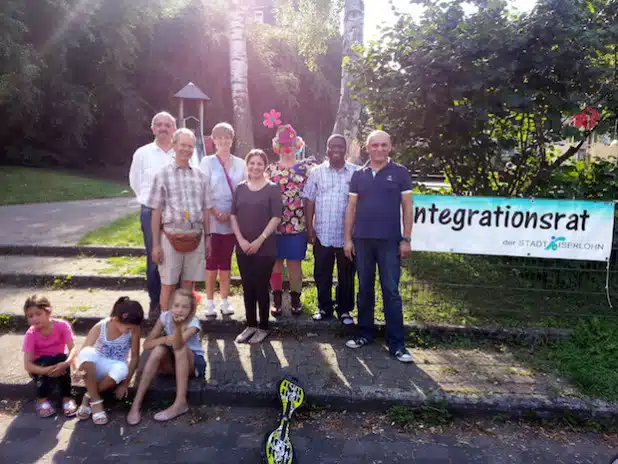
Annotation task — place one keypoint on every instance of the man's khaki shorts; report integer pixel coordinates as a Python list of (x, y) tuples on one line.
[(186, 266)]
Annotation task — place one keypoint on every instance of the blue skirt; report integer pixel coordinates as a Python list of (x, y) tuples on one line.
[(292, 246)]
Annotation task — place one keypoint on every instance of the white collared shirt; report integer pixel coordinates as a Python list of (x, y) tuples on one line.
[(147, 161)]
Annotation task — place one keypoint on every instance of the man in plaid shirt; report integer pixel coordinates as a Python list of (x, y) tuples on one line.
[(326, 198), (180, 200)]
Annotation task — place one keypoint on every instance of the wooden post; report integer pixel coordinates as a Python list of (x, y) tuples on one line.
[(181, 116), (202, 118)]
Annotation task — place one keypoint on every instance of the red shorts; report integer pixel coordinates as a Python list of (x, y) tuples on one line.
[(220, 252)]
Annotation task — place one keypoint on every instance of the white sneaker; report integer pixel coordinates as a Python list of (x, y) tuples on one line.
[(210, 309), (226, 308)]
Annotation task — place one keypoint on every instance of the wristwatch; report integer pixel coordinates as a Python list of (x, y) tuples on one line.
[(406, 239)]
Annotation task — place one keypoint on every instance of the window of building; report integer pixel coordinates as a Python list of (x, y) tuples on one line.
[(258, 16)]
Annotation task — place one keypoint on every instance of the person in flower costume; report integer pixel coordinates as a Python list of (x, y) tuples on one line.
[(290, 174)]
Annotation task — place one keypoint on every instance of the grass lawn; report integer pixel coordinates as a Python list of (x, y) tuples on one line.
[(589, 358), (32, 185), (125, 231)]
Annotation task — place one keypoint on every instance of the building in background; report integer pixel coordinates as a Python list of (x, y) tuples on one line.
[(264, 11)]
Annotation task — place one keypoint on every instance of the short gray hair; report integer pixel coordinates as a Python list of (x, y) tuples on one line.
[(181, 131), (376, 133), (160, 115)]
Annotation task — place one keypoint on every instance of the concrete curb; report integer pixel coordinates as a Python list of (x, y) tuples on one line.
[(71, 251), (114, 282), (248, 394), (304, 327)]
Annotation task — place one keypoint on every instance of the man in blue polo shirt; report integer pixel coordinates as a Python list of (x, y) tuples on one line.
[(379, 192)]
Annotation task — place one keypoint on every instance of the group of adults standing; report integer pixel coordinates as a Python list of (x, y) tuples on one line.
[(194, 215)]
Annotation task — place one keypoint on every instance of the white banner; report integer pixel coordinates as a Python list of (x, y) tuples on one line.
[(564, 229)]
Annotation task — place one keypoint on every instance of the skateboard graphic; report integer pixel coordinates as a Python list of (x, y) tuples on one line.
[(278, 447)]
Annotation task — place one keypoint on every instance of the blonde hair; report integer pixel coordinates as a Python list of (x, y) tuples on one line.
[(189, 294), (375, 133), (223, 128), (39, 302)]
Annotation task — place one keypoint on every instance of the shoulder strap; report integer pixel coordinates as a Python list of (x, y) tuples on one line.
[(227, 176)]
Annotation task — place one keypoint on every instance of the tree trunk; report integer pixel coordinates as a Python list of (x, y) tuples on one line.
[(237, 35), (348, 114)]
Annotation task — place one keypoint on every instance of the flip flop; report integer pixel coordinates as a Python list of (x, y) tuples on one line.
[(161, 416)]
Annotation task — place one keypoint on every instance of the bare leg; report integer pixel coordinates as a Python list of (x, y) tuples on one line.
[(150, 370), (278, 266), (211, 283), (166, 294), (106, 384), (90, 379), (295, 274), (185, 363), (224, 284)]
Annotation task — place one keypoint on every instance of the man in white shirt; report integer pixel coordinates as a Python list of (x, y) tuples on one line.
[(147, 161)]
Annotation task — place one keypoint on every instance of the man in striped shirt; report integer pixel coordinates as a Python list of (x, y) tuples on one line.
[(180, 200), (326, 197)]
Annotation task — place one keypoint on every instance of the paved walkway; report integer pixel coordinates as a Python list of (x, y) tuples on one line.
[(62, 223), (234, 435), (329, 369)]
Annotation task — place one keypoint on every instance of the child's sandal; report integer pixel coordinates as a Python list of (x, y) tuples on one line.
[(99, 418), (45, 409), (83, 412), (70, 408)]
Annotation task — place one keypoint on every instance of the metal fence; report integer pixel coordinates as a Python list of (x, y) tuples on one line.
[(507, 291)]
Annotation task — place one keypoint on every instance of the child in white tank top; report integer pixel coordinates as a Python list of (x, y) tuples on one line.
[(104, 357)]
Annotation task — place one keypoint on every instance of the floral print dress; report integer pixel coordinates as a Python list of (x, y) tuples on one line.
[(291, 182)]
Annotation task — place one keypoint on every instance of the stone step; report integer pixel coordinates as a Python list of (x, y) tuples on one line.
[(78, 272), (84, 307), (335, 377)]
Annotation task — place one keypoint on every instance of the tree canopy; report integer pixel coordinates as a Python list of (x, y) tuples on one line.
[(460, 92), (79, 83)]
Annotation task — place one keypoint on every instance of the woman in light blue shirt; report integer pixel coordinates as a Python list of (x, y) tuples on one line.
[(224, 172)]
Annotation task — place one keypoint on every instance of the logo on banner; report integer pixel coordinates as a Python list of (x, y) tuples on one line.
[(553, 245)]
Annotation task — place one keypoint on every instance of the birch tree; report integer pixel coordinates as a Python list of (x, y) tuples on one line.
[(348, 114), (237, 36)]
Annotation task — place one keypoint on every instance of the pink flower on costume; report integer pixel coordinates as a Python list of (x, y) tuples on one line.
[(272, 119), (290, 229)]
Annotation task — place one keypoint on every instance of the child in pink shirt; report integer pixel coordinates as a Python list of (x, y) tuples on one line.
[(48, 353)]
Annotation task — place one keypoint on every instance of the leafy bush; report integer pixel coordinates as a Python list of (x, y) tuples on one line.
[(590, 181)]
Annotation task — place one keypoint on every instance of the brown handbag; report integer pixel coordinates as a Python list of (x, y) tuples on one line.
[(184, 243)]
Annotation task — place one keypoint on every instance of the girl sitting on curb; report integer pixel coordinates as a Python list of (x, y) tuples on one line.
[(46, 344), (176, 349), (104, 357)]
